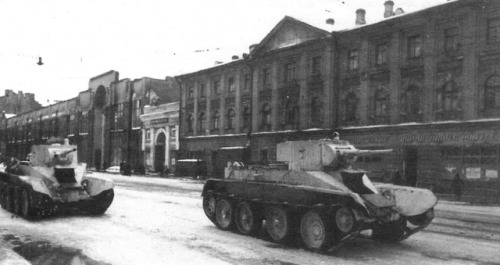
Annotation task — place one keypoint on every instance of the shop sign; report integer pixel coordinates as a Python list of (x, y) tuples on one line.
[(473, 172), (423, 138)]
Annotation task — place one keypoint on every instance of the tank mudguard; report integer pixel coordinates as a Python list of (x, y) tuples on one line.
[(409, 201), (38, 184), (95, 185)]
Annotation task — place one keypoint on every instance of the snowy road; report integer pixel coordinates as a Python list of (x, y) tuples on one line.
[(161, 221)]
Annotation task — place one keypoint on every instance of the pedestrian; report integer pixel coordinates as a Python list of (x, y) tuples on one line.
[(398, 179), (457, 184)]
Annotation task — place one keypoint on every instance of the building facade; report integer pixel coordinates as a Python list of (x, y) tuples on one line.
[(103, 121), (160, 136), (426, 84), (15, 103), (280, 90)]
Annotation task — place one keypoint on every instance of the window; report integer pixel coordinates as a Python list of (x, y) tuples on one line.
[(148, 135), (201, 122), (216, 87), (247, 116), (493, 34), (203, 91), (290, 71), (231, 88), (411, 103), (215, 120), (136, 105), (248, 83), (316, 65), (451, 39), (353, 60), (316, 111), (414, 47), (381, 53), (381, 105), (118, 114), (190, 123), (83, 122), (450, 97), (190, 92), (266, 76), (351, 107), (290, 112), (230, 118), (479, 163), (492, 93), (173, 134), (266, 115)]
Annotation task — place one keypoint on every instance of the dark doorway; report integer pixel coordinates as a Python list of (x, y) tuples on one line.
[(160, 152), (411, 161), (97, 159)]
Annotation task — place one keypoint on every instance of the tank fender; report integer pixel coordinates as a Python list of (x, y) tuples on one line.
[(38, 184), (409, 201), (209, 185), (95, 185)]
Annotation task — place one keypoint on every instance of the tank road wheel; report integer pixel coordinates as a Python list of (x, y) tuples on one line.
[(27, 210), (247, 219), (6, 199), (209, 203), (224, 214), (392, 232), (3, 196), (16, 201), (315, 231), (344, 220), (279, 224)]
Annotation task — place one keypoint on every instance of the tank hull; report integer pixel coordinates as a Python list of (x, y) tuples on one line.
[(41, 198)]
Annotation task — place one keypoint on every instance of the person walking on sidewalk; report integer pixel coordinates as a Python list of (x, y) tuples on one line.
[(457, 184)]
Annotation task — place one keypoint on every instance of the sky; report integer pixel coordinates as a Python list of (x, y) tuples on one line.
[(80, 39)]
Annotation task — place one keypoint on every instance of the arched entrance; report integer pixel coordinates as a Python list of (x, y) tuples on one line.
[(160, 145)]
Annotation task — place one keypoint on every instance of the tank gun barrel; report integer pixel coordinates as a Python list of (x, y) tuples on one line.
[(64, 153), (357, 152)]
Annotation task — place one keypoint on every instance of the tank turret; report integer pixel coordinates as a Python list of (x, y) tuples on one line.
[(52, 178), (313, 187), (321, 155)]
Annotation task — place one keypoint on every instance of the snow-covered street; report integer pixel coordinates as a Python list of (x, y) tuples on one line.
[(161, 221)]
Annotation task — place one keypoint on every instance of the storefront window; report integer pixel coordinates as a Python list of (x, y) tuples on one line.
[(474, 163)]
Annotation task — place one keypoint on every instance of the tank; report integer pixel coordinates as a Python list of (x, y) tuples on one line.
[(52, 179), (315, 193)]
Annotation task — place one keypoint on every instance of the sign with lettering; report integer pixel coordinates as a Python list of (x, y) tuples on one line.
[(423, 138)]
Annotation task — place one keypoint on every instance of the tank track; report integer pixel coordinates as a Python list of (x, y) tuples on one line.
[(21, 200), (321, 227)]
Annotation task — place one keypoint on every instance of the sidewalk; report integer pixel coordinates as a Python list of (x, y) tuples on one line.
[(10, 257), (467, 212)]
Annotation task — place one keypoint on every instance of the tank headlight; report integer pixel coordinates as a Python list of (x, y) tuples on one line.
[(85, 183), (388, 194)]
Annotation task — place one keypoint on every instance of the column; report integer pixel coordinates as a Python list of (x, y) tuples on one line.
[(167, 146), (395, 76), (237, 104)]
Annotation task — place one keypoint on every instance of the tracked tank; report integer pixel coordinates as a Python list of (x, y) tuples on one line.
[(52, 179), (316, 194)]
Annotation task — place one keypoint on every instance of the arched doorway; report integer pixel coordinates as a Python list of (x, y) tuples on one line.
[(160, 145)]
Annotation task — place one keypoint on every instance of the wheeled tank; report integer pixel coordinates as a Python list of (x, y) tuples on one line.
[(315, 193), (51, 179)]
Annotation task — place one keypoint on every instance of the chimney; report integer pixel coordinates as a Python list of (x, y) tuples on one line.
[(399, 11), (360, 17), (389, 5), (252, 47), (330, 21)]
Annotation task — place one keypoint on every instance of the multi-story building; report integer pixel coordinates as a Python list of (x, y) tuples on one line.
[(426, 84), (280, 90), (14, 103), (103, 121)]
